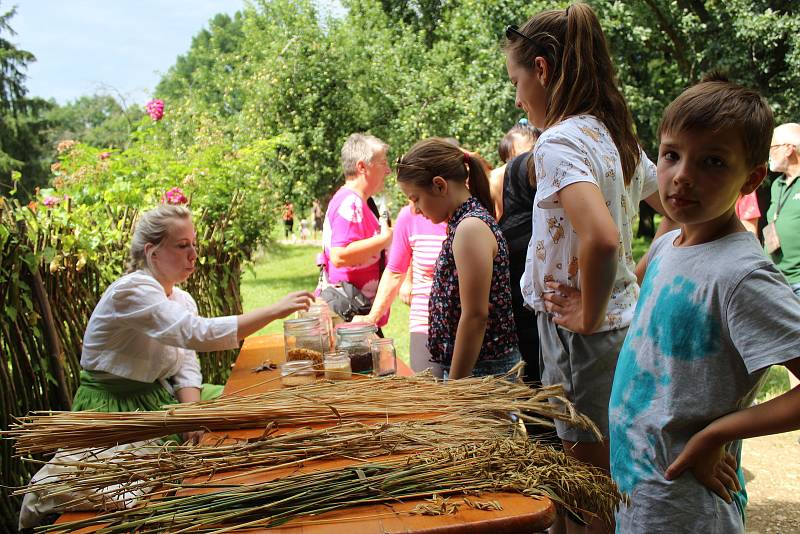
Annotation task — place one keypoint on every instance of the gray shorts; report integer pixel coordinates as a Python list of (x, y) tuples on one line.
[(420, 357), (585, 366)]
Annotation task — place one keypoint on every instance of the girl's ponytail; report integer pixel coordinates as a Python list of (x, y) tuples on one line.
[(583, 79), (478, 182)]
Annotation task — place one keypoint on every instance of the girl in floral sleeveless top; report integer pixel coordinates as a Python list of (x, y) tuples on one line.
[(471, 321)]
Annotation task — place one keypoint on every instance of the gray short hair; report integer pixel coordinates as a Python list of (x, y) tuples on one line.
[(360, 147), (152, 228)]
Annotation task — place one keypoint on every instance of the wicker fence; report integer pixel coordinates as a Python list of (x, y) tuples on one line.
[(46, 298)]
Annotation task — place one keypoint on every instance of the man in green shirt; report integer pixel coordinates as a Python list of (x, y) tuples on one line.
[(784, 210)]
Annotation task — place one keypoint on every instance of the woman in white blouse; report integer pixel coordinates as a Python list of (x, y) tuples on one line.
[(139, 347)]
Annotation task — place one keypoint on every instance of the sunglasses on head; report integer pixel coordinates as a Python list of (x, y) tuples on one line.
[(399, 163), (512, 32)]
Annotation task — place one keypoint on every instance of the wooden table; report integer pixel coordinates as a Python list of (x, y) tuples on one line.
[(519, 514)]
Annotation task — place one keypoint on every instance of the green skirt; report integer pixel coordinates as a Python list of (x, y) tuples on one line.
[(104, 392)]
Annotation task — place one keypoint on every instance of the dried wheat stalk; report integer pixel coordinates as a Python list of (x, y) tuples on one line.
[(322, 402), (500, 465)]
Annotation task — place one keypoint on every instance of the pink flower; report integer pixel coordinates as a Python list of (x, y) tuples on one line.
[(174, 196), (50, 201), (104, 155), (155, 108)]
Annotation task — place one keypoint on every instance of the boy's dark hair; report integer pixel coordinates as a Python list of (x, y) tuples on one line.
[(715, 104)]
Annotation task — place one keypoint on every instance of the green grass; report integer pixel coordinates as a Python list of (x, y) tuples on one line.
[(286, 268), (776, 383)]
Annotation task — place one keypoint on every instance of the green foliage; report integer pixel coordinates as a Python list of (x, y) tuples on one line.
[(22, 124), (98, 120), (661, 47)]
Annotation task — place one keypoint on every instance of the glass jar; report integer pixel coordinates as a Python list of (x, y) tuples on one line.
[(384, 357), (297, 373), (337, 365), (321, 311), (354, 338), (302, 340)]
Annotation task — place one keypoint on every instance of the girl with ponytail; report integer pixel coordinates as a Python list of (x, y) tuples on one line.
[(471, 321), (590, 176)]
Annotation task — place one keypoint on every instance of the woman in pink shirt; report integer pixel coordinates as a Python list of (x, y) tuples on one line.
[(417, 241)]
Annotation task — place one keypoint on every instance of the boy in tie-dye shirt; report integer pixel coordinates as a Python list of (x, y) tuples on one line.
[(713, 315)]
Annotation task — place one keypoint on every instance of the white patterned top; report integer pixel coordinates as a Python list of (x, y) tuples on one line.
[(580, 149)]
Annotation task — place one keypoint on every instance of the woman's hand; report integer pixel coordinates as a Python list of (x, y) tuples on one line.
[(296, 301), (711, 465), (405, 291), (565, 303), (363, 319)]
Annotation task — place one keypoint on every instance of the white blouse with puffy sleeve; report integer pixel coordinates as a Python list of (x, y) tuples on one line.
[(138, 332)]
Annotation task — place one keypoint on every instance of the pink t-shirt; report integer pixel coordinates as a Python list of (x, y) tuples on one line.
[(747, 207), (349, 219), (417, 241)]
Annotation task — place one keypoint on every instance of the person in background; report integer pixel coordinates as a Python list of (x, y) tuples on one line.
[(139, 346), (319, 217), (353, 237), (519, 139), (590, 176), (783, 215), (416, 244), (471, 322), (748, 212), (517, 194), (713, 316), (305, 231), (288, 220)]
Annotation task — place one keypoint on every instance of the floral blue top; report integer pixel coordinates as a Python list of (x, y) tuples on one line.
[(444, 307)]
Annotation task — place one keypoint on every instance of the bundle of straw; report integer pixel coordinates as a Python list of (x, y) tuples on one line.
[(152, 468), (322, 402), (502, 465)]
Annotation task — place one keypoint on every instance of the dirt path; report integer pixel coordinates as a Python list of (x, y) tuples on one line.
[(772, 470)]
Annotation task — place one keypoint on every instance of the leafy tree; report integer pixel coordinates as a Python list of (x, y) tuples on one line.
[(97, 120), (22, 126), (663, 46), (204, 73)]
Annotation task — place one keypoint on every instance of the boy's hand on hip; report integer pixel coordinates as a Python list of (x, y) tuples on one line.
[(711, 465), (565, 304)]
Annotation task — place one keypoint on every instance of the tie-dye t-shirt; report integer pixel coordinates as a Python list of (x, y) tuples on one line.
[(710, 320), (580, 149)]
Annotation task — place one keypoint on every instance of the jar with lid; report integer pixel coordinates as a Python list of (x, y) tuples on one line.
[(354, 338), (297, 373), (321, 311), (337, 365), (384, 357), (302, 339)]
